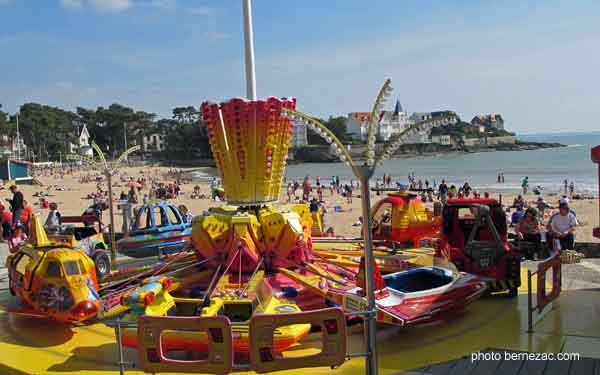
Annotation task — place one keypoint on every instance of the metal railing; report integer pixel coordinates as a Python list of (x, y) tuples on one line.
[(543, 298)]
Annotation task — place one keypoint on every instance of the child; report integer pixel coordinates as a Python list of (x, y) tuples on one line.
[(52, 224), (542, 206), (18, 238), (6, 222), (187, 215)]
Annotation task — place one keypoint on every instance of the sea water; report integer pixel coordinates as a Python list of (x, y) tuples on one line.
[(545, 167)]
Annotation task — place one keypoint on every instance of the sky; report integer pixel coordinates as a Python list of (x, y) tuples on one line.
[(535, 62)]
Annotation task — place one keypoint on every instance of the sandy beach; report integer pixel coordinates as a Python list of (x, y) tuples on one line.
[(72, 200)]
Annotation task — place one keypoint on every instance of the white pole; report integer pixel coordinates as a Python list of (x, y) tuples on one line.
[(125, 136), (249, 49), (18, 139)]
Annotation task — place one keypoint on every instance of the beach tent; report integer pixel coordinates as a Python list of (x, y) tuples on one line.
[(13, 170)]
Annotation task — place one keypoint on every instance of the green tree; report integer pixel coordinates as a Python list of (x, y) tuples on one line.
[(109, 126), (337, 125), (186, 115), (186, 135), (46, 131)]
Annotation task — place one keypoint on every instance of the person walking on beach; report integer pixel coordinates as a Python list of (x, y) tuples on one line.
[(525, 185), (306, 189), (572, 189), (443, 192), (348, 194), (16, 205), (566, 186), (467, 189), (502, 175)]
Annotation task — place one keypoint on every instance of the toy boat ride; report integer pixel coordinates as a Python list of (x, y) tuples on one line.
[(159, 228), (416, 296), (425, 294)]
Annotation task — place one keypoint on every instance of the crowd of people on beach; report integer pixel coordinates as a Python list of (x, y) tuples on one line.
[(533, 220)]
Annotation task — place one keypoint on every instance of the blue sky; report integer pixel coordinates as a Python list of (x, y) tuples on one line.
[(536, 62)]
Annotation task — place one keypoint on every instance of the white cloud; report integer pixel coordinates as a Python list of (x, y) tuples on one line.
[(111, 5), (99, 5), (71, 4), (167, 5)]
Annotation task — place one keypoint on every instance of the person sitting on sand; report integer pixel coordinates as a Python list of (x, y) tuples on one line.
[(197, 192), (359, 222), (518, 202), (542, 206)]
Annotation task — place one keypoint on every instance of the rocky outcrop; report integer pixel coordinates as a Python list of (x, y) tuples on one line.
[(322, 154)]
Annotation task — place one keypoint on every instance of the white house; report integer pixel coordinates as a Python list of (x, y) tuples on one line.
[(356, 127), (450, 116), (81, 143), (153, 142), (442, 139), (493, 120), (388, 123)]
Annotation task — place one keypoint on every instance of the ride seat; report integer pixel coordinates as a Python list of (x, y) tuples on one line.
[(488, 248), (484, 234), (457, 237)]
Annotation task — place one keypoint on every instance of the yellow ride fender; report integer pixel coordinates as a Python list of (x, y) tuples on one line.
[(220, 343), (333, 335)]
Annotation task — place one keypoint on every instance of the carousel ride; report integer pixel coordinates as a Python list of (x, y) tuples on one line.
[(260, 283), (252, 287), (254, 293)]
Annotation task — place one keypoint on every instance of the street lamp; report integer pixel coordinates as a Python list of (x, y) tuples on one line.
[(363, 173), (108, 169)]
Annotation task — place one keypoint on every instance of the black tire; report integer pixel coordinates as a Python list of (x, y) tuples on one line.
[(102, 262)]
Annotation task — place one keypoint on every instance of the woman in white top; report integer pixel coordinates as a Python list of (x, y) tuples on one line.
[(562, 225)]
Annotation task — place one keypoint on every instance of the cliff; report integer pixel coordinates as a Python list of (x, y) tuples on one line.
[(322, 154)]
